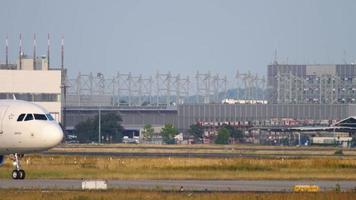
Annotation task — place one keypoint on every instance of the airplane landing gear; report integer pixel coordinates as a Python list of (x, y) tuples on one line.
[(17, 173)]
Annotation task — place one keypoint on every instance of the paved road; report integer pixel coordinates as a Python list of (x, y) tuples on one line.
[(188, 185)]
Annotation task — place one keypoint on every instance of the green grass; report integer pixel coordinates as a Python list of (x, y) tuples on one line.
[(101, 167), (154, 195)]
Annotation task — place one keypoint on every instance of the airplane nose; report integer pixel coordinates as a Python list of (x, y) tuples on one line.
[(53, 134)]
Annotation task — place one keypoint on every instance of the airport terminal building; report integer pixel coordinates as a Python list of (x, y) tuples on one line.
[(313, 93), (238, 114), (32, 81)]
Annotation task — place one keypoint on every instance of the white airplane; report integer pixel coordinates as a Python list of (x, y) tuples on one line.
[(25, 128), (346, 125)]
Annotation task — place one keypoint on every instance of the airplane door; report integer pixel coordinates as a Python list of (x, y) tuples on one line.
[(3, 110)]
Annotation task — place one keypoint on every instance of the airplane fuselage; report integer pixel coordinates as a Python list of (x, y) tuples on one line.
[(26, 128)]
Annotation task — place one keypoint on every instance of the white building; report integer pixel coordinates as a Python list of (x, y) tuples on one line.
[(37, 84)]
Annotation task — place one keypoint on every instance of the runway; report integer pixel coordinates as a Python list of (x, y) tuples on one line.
[(186, 155), (178, 155), (195, 152), (176, 185), (173, 147)]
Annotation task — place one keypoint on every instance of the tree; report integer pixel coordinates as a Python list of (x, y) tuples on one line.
[(147, 132), (234, 132), (197, 131), (223, 136), (111, 128), (85, 131), (168, 132)]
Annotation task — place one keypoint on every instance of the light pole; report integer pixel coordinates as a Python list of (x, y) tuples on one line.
[(99, 125)]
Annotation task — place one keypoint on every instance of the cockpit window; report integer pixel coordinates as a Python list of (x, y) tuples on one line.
[(20, 118), (29, 117), (40, 117), (49, 116)]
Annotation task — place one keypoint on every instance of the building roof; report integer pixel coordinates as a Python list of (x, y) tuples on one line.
[(347, 122)]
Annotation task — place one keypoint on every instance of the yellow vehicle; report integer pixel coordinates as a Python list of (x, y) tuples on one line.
[(306, 188)]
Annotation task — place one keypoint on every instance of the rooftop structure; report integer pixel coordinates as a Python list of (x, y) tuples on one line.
[(311, 84), (32, 79)]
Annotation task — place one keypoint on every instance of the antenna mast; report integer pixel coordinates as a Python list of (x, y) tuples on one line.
[(20, 52), (62, 53), (7, 52), (34, 51), (48, 51)]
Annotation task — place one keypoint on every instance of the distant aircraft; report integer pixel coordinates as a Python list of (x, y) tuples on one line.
[(345, 125), (25, 128)]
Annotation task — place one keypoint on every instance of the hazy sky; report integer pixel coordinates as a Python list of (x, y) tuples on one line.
[(182, 36)]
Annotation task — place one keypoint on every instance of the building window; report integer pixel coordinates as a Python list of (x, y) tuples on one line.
[(42, 97)]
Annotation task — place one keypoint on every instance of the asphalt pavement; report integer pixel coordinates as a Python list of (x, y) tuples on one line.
[(177, 185)]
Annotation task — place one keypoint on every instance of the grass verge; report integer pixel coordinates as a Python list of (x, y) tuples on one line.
[(102, 167)]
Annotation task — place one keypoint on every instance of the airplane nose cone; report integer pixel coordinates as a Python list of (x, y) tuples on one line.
[(53, 134)]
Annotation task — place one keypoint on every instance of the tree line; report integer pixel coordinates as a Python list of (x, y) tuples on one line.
[(112, 131), (224, 135)]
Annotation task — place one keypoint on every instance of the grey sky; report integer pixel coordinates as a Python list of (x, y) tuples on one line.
[(182, 36)]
